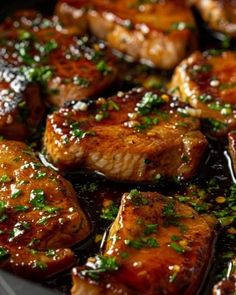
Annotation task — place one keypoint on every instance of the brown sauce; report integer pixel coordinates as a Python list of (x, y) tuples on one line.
[(92, 190)]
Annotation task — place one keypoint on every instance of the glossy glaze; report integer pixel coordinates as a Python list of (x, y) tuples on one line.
[(39, 212), (160, 246), (159, 33), (74, 65), (207, 81), (121, 143)]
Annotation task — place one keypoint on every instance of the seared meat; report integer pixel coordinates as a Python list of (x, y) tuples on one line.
[(232, 147), (21, 107), (39, 215), (220, 15), (156, 32), (134, 136), (207, 81), (155, 246), (228, 285), (68, 67)]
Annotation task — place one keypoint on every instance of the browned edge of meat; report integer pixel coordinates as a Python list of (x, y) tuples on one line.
[(132, 29), (232, 148)]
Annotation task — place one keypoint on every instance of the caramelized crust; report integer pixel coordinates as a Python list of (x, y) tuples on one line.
[(159, 33), (124, 141), (160, 247), (220, 15), (66, 66), (38, 212), (232, 147), (207, 81)]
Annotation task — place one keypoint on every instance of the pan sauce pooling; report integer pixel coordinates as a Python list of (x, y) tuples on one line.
[(157, 244)]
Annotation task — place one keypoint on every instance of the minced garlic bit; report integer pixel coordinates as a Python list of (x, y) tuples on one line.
[(175, 268), (100, 101), (120, 93), (133, 116), (214, 83), (220, 200), (131, 124), (80, 106), (165, 97)]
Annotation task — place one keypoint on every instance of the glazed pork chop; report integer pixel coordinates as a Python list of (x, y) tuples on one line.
[(207, 82), (66, 66), (155, 246), (232, 147), (220, 15), (39, 215), (160, 33), (134, 136)]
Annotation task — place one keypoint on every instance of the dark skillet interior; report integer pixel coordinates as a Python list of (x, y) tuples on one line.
[(7, 7), (93, 189)]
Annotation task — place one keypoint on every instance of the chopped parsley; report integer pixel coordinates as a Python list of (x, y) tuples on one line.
[(37, 200), (169, 209), (21, 208), (102, 264), (50, 253), (180, 26), (40, 265), (215, 125), (5, 178), (149, 101), (225, 109), (83, 82), (150, 229), (110, 212), (79, 133), (3, 208), (103, 67), (40, 174), (40, 74), (177, 247), (4, 253), (142, 243), (25, 35), (137, 198), (205, 98)]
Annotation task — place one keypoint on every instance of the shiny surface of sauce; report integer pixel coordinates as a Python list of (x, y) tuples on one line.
[(214, 180)]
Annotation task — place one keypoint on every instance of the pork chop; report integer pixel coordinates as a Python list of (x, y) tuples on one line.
[(69, 67), (134, 136), (220, 15), (207, 82), (155, 246), (39, 215), (160, 33)]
